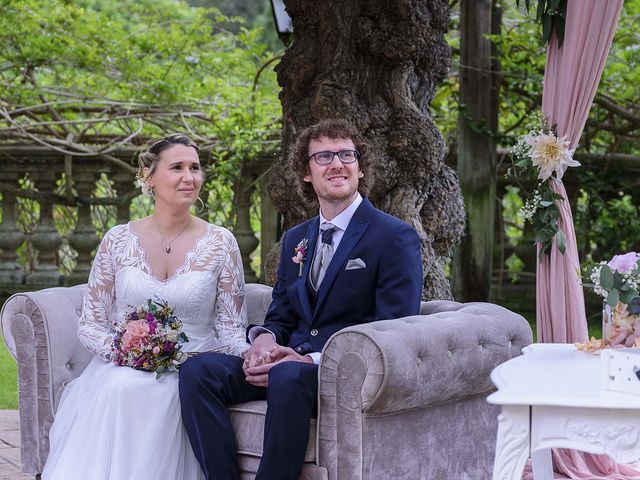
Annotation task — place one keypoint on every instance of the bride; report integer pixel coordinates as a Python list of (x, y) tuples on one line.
[(116, 423)]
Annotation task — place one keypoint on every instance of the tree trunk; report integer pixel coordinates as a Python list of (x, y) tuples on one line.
[(377, 64), (473, 260)]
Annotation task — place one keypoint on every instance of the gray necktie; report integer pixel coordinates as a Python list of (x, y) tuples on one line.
[(322, 260)]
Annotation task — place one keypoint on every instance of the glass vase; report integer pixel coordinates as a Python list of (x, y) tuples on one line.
[(607, 320)]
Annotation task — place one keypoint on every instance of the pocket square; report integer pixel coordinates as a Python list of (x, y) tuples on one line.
[(355, 264)]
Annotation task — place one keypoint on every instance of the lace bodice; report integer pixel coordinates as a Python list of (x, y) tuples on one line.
[(206, 292)]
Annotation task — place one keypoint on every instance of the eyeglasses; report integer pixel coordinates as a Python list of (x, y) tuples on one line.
[(325, 158)]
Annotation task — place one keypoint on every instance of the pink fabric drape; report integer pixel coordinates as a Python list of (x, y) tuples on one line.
[(571, 78)]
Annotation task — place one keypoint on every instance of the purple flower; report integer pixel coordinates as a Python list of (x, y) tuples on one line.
[(626, 263), (152, 326)]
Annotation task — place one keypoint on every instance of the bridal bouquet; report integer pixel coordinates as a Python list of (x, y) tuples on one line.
[(150, 339), (618, 283)]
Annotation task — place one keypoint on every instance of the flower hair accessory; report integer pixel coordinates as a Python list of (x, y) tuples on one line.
[(300, 254), (143, 184)]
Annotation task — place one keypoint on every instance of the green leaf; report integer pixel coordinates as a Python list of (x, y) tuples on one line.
[(561, 241), (606, 277), (540, 10), (613, 298), (558, 27), (546, 27), (627, 296)]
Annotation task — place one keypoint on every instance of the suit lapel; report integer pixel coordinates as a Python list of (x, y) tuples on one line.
[(357, 226), (303, 294)]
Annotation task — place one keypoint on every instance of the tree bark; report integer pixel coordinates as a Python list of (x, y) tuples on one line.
[(473, 259), (377, 64)]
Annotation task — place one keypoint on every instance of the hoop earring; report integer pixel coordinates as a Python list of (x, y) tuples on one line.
[(199, 210)]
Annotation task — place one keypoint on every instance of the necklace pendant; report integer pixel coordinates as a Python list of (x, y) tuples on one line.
[(168, 248)]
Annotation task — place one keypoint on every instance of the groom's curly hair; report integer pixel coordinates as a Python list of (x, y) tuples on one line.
[(332, 129)]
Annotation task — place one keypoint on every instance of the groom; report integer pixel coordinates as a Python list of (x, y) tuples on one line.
[(351, 264)]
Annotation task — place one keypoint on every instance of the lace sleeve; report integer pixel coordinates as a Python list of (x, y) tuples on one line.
[(95, 323), (230, 308)]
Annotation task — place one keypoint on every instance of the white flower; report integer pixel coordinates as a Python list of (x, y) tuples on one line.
[(144, 186), (172, 336), (550, 153)]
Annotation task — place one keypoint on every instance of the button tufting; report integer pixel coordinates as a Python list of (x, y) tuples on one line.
[(314, 332), (509, 344), (449, 353), (480, 347), (78, 312), (68, 365)]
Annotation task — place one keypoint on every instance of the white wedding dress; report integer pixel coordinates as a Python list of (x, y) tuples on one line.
[(116, 423)]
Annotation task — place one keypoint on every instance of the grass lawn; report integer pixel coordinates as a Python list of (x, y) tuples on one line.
[(8, 380)]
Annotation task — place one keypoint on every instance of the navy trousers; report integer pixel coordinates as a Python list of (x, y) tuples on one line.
[(211, 381)]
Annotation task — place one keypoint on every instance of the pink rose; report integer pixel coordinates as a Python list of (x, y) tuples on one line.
[(156, 350), (135, 334), (626, 263)]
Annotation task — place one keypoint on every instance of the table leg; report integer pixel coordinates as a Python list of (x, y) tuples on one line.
[(541, 464), (513, 442)]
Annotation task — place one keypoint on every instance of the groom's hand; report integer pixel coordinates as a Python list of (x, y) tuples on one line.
[(260, 351), (259, 375)]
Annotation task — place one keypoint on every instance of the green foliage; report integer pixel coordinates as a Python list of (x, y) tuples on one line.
[(111, 73), (514, 266), (551, 14), (8, 380), (513, 223), (608, 226)]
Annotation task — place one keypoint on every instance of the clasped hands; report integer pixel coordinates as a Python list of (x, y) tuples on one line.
[(263, 354)]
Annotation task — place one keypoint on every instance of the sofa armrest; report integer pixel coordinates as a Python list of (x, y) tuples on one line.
[(390, 366), (39, 329)]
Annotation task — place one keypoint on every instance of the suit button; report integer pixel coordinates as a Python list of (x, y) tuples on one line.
[(298, 349), (314, 332)]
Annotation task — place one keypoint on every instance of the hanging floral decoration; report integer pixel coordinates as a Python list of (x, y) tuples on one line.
[(543, 155)]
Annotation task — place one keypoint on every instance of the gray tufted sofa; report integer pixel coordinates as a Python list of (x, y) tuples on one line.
[(398, 399)]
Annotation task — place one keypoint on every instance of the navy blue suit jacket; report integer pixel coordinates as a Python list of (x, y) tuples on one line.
[(390, 286)]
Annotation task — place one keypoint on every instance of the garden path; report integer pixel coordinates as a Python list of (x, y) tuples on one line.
[(10, 447)]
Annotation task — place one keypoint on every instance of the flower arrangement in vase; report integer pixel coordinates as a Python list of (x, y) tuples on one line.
[(618, 283)]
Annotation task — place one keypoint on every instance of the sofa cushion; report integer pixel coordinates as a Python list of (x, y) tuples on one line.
[(258, 299), (248, 425)]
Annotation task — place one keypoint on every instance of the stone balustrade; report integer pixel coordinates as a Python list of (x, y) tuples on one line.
[(41, 180)]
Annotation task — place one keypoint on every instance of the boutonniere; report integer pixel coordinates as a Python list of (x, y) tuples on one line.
[(300, 254)]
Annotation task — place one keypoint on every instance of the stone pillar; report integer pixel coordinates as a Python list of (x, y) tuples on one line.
[(269, 225), (247, 241), (11, 237), (123, 184), (83, 239), (45, 238)]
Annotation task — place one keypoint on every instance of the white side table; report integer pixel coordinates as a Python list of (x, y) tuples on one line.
[(551, 397)]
